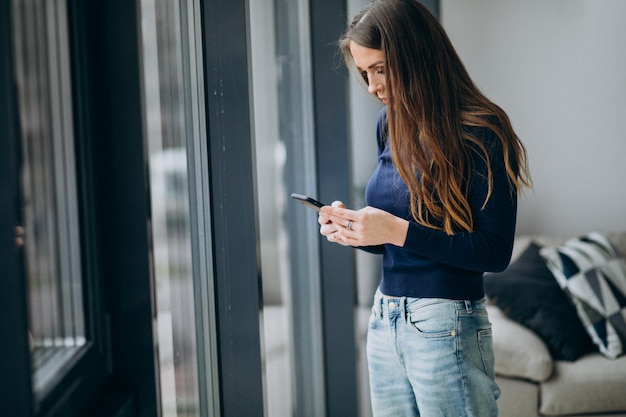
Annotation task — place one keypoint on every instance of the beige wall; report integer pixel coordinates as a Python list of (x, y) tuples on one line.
[(558, 68)]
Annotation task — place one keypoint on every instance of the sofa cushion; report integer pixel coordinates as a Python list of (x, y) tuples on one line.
[(593, 384), (528, 293), (518, 351), (593, 273)]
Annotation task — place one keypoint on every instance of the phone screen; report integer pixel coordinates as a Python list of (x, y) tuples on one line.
[(308, 201)]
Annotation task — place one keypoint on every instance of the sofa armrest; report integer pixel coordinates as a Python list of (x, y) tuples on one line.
[(519, 352)]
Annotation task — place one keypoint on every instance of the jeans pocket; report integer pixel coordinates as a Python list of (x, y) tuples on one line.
[(433, 318)]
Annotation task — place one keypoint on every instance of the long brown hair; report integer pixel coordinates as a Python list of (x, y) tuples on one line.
[(431, 100)]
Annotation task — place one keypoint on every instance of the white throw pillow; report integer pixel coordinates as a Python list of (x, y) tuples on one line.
[(593, 273)]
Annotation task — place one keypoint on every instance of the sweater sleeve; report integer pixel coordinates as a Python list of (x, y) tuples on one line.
[(488, 247)]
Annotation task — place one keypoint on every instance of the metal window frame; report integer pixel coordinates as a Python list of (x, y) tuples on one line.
[(15, 379), (236, 268), (338, 269)]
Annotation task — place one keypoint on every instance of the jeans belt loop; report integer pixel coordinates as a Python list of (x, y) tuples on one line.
[(468, 306)]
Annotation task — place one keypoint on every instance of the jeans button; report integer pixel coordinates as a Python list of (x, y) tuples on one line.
[(392, 305)]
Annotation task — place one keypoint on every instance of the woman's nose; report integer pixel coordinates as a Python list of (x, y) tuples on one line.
[(372, 88)]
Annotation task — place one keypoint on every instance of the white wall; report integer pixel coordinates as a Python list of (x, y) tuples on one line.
[(558, 68)]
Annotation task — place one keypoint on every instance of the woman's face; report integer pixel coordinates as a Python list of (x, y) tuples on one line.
[(371, 65)]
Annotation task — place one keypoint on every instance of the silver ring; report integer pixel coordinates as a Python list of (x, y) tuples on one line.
[(349, 225)]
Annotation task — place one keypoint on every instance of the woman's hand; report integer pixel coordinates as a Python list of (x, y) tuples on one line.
[(366, 227), (327, 227)]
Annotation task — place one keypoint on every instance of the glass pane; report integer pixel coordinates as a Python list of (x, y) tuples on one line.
[(283, 132), (270, 156), (176, 141), (50, 231)]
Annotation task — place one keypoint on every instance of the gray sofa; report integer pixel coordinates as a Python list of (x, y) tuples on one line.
[(534, 384)]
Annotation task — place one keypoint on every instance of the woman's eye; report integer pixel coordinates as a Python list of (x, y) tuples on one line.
[(364, 76)]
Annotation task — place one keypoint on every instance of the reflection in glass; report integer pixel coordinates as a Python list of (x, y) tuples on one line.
[(49, 233), (174, 124)]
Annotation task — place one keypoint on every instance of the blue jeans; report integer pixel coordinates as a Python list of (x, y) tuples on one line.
[(431, 357)]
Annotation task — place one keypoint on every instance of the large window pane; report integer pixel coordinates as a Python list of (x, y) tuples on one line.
[(285, 163), (50, 225), (270, 156), (176, 142)]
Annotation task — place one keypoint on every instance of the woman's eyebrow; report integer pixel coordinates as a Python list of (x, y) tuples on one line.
[(375, 64)]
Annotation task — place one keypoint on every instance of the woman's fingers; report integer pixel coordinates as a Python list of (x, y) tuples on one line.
[(338, 223)]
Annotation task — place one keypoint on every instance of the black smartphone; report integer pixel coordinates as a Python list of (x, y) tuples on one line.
[(308, 201)]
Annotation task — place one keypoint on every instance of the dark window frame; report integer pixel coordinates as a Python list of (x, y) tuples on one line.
[(15, 391), (234, 218), (338, 269), (87, 361)]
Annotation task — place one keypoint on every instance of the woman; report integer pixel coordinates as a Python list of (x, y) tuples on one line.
[(441, 210)]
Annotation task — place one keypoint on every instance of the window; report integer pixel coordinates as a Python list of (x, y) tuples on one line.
[(181, 237), (49, 230), (285, 162)]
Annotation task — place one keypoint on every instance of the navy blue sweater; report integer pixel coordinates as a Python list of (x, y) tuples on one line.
[(431, 263)]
